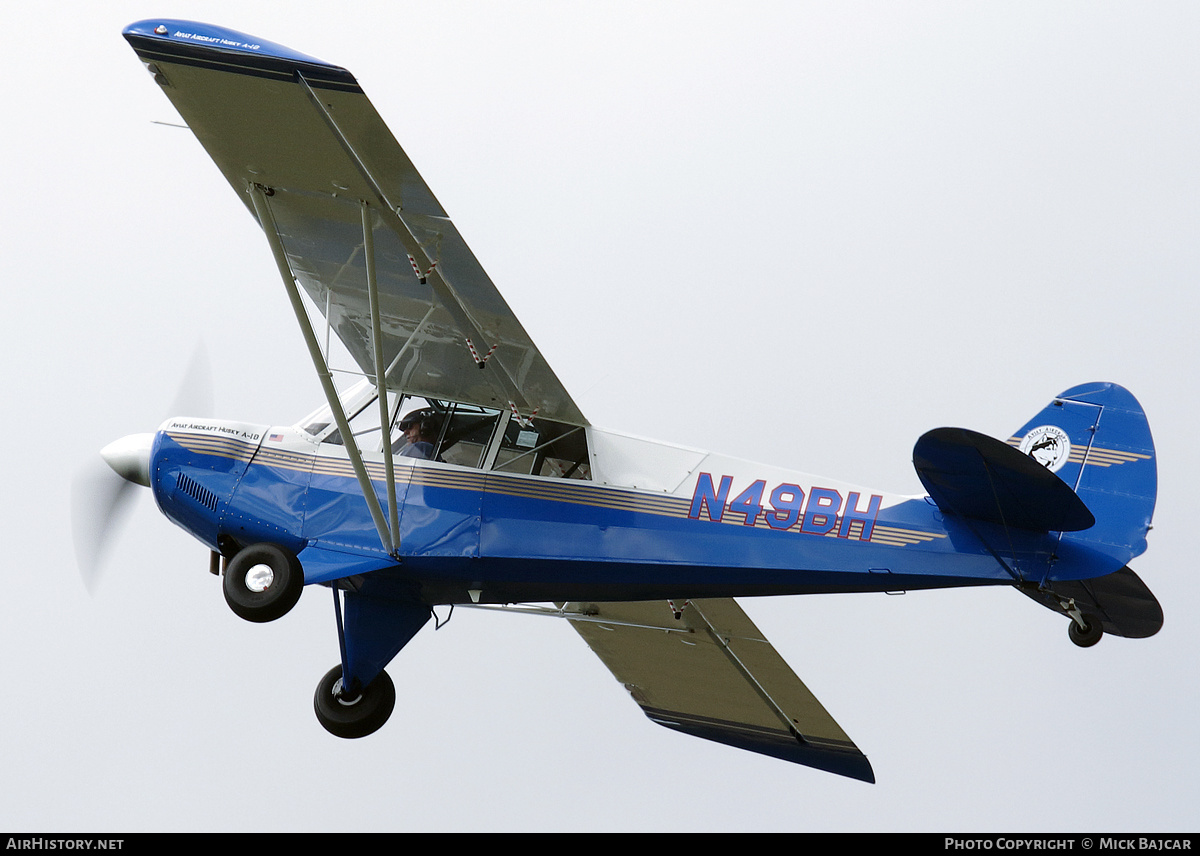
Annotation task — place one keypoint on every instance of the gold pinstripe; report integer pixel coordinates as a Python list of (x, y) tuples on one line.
[(896, 536), (207, 444), (576, 493), (1097, 456)]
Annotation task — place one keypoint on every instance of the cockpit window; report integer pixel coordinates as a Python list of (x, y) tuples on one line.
[(463, 434)]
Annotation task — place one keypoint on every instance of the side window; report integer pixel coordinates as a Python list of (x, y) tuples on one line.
[(544, 448)]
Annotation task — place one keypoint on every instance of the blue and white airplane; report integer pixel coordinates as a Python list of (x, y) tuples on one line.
[(458, 470)]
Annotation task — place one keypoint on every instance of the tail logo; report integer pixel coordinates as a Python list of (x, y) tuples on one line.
[(1048, 445)]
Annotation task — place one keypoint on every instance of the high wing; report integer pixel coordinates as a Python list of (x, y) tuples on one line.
[(349, 218), (301, 132), (711, 673)]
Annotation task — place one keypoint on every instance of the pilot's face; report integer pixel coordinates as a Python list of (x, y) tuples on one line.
[(413, 433)]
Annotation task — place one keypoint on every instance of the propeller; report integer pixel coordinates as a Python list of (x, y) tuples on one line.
[(100, 505), (102, 495), (194, 396)]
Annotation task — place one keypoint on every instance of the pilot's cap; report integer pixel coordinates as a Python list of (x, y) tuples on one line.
[(424, 417)]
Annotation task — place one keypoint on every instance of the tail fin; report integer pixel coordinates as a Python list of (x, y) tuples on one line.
[(1095, 437)]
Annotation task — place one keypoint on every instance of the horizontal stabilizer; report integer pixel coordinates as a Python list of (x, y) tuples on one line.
[(976, 476), (1123, 603), (711, 673)]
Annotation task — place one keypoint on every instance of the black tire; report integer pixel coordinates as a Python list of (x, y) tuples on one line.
[(351, 716), (1089, 634), (263, 582)]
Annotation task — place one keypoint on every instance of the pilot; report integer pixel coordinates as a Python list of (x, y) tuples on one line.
[(420, 433)]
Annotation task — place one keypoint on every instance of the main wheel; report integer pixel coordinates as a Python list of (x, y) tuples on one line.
[(357, 714), (263, 582), (1089, 634)]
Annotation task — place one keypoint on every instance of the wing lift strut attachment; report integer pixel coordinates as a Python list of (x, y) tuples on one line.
[(387, 527)]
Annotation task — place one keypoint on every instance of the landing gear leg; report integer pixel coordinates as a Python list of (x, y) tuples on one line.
[(371, 631), (1087, 633), (1085, 630)]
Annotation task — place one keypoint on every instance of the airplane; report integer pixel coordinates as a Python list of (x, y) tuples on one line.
[(456, 471)]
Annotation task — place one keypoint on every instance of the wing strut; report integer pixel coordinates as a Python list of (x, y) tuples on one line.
[(258, 196), (385, 416), (722, 643), (434, 276)]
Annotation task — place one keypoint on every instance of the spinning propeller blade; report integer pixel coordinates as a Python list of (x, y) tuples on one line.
[(100, 503), (102, 495), (194, 397)]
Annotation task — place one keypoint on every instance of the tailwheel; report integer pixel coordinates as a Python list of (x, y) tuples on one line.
[(263, 582), (1087, 634), (353, 713)]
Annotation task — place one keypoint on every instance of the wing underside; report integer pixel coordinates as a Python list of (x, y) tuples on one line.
[(304, 134), (711, 673)]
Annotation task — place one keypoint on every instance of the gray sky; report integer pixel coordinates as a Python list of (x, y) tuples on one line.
[(844, 224)]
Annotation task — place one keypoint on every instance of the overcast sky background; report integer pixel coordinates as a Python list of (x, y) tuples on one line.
[(800, 233)]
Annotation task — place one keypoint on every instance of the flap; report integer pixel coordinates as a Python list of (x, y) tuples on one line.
[(710, 673)]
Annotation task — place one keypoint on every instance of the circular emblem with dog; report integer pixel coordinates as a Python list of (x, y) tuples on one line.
[(1048, 445)]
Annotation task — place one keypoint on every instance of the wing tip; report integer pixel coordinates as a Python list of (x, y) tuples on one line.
[(842, 759), (179, 36)]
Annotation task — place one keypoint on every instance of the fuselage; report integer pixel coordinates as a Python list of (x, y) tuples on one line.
[(655, 521)]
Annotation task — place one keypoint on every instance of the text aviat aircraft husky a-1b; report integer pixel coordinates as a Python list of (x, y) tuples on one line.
[(459, 471)]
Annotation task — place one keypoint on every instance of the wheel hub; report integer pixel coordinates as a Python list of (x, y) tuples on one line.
[(342, 698), (259, 578)]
